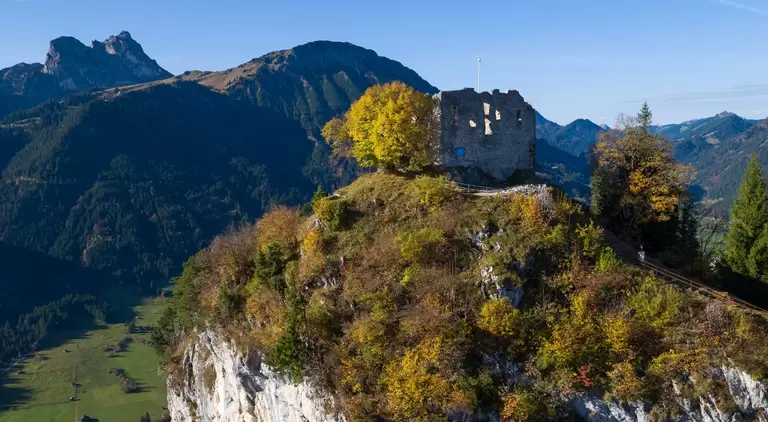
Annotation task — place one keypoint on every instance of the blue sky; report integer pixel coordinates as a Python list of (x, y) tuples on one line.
[(568, 58)]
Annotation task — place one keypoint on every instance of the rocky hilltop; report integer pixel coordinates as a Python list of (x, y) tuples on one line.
[(71, 66), (224, 385), (406, 299)]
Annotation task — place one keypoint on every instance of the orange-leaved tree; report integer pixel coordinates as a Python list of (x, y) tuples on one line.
[(389, 127), (639, 178)]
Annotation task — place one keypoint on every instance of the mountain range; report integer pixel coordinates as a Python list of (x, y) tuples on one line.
[(120, 166), (135, 178)]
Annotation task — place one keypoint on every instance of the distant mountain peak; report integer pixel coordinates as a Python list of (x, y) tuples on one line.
[(583, 124), (72, 66), (315, 81), (118, 60), (724, 114)]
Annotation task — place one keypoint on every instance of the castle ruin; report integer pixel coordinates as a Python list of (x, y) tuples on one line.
[(492, 131)]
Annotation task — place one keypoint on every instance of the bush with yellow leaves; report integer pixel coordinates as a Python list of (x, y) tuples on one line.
[(499, 317), (313, 258), (331, 212), (431, 192), (418, 389), (419, 246)]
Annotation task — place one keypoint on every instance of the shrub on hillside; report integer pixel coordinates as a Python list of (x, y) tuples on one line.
[(421, 245), (331, 212), (432, 192), (401, 315)]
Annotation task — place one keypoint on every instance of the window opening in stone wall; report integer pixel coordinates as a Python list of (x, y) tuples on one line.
[(453, 116), (486, 109), (460, 152), (472, 123), (498, 115), (488, 130)]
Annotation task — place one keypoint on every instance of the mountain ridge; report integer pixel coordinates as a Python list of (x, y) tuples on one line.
[(70, 66), (81, 181)]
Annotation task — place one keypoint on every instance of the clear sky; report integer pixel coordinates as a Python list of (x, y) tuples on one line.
[(569, 58)]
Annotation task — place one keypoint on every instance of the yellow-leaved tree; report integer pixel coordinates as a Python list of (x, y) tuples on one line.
[(637, 177), (389, 127)]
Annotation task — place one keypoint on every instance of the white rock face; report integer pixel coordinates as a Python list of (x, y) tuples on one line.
[(747, 394), (222, 385)]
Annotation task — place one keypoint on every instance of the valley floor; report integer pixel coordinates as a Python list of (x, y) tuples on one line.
[(39, 389)]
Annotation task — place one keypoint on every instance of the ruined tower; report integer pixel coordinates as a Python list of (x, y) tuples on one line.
[(492, 131)]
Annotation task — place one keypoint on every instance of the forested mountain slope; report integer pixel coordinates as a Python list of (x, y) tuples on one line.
[(136, 183), (721, 166)]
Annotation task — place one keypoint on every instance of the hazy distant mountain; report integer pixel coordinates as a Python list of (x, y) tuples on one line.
[(721, 165), (545, 129), (571, 171), (694, 137), (576, 137), (70, 66), (719, 126)]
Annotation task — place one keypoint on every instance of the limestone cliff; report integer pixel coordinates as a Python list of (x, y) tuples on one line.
[(468, 310), (222, 385)]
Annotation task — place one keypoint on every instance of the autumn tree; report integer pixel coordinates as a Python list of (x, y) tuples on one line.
[(746, 244), (389, 127), (636, 169)]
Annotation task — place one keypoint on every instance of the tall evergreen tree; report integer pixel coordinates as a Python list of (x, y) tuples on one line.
[(757, 262), (320, 193), (746, 243), (645, 117)]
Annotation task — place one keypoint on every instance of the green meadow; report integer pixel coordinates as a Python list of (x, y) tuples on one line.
[(40, 387)]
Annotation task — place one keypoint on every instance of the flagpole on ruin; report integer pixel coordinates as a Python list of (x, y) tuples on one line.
[(478, 74)]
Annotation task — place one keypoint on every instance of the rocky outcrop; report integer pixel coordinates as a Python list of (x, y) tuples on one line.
[(71, 66), (119, 60), (745, 400), (221, 384)]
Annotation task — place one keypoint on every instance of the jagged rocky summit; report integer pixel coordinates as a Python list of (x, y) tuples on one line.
[(71, 66)]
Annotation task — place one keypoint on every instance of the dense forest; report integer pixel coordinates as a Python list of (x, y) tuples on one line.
[(33, 328), (135, 183), (42, 294)]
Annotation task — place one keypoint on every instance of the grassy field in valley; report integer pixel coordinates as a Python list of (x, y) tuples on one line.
[(40, 387)]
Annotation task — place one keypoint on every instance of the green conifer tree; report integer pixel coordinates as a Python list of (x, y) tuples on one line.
[(319, 194), (645, 117), (687, 230), (746, 243)]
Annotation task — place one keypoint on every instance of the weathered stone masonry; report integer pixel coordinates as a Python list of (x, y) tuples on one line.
[(493, 131)]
